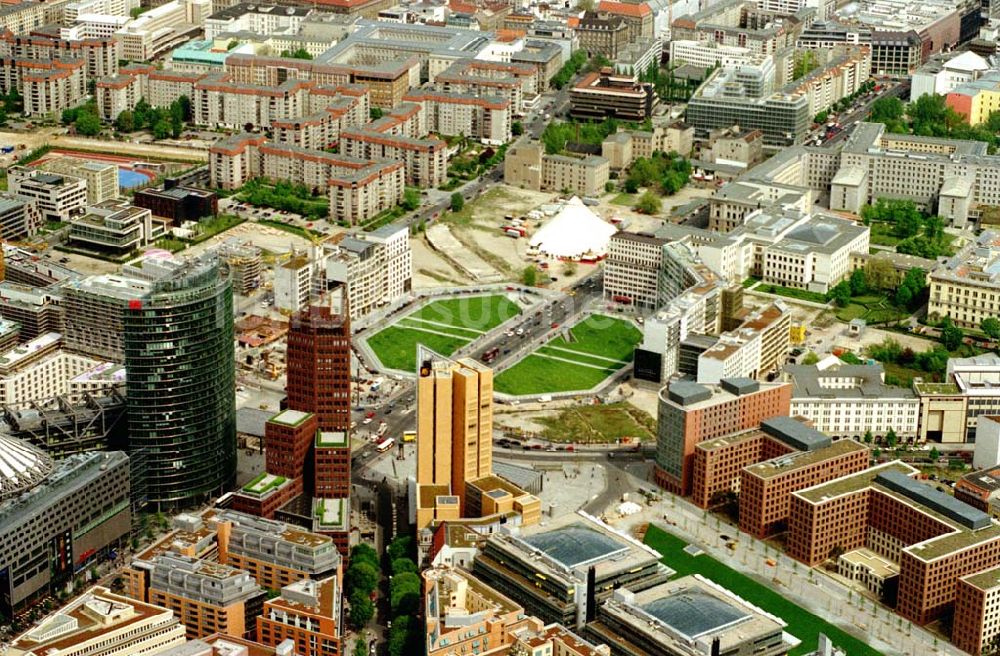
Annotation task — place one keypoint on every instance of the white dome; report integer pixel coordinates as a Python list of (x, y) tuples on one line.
[(22, 466)]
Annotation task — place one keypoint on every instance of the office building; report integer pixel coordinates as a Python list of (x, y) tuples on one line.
[(690, 615), (114, 226), (943, 73), (245, 262), (526, 165), (632, 270), (207, 597), (99, 621), (176, 203), (319, 364), (845, 400), (950, 411), (562, 572), (690, 413), (162, 28), (376, 268), (975, 627), (58, 198), (603, 94), (765, 486), (40, 369), (980, 488), (46, 530), (101, 178), (463, 615), (451, 453), (309, 614), (19, 218), (935, 539), (179, 353), (601, 33), (36, 310), (624, 147)]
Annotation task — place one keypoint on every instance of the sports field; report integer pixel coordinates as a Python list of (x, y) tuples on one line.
[(599, 346), (801, 623), (443, 326)]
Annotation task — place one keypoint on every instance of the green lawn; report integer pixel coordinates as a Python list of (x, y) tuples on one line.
[(598, 423), (604, 343), (882, 234), (792, 292), (463, 320), (626, 200), (873, 308), (801, 623)]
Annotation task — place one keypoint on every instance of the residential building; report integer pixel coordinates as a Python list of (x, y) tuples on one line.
[(99, 620), (690, 413), (184, 400), (936, 539), (546, 569), (964, 287), (463, 614), (115, 226), (515, 82), (57, 197), (486, 118), (666, 619), (308, 613), (208, 597), (852, 400), (293, 282), (603, 94), (46, 533), (376, 268), (527, 165)]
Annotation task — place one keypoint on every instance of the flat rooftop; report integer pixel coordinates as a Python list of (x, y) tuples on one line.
[(576, 544), (801, 459), (290, 417)]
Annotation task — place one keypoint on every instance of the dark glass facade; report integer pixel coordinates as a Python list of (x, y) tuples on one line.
[(180, 363)]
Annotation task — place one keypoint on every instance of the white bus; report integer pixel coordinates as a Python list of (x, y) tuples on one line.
[(386, 444)]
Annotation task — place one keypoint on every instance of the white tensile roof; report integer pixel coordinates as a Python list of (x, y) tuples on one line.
[(574, 232)]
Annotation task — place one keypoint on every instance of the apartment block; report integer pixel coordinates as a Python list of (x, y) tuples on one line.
[(57, 197), (359, 189), (604, 94), (375, 267), (99, 620), (845, 400), (527, 165), (308, 613), (101, 53), (48, 85), (485, 118), (935, 539), (207, 597), (690, 413), (425, 160), (491, 79)]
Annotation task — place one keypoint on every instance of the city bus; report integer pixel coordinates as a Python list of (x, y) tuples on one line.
[(409, 436), (386, 444)]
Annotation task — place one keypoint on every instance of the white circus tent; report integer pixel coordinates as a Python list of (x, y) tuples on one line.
[(575, 232)]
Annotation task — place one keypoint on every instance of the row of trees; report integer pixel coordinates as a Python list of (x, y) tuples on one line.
[(406, 636), (83, 118), (286, 196), (668, 87), (360, 582), (558, 133), (569, 69)]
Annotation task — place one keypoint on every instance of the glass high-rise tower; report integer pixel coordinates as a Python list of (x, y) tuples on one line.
[(180, 367)]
